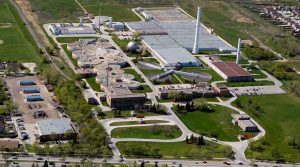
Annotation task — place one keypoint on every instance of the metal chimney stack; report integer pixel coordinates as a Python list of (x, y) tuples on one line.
[(196, 43), (238, 52)]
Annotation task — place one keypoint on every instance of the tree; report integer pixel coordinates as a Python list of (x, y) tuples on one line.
[(187, 139), (143, 164), (238, 103), (188, 107), (156, 165), (201, 140), (192, 138), (33, 165), (45, 163), (174, 95)]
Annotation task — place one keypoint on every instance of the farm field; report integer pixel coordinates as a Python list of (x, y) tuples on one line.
[(279, 115), (217, 124), (16, 42)]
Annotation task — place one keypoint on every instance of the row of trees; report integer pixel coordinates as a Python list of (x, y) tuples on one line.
[(179, 96), (191, 107), (195, 140), (258, 53)]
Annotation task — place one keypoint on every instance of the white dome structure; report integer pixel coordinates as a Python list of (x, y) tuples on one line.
[(132, 46)]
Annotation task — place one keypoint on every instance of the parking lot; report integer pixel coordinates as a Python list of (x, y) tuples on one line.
[(256, 90), (31, 111), (29, 108)]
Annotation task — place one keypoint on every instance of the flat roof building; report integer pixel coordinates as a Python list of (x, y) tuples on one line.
[(55, 129), (244, 121), (30, 90), (26, 82), (89, 97), (31, 98), (120, 97), (231, 71)]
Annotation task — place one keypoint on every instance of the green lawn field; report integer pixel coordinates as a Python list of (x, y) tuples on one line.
[(280, 117), (94, 85), (136, 122), (253, 83), (17, 43), (176, 150), (217, 124), (148, 132)]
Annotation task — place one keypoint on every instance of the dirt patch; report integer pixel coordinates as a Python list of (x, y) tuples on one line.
[(1, 42), (33, 19), (241, 18)]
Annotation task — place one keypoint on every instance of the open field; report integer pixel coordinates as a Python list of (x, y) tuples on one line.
[(177, 150), (217, 124), (56, 10), (279, 115), (111, 8), (147, 132), (136, 122), (17, 43)]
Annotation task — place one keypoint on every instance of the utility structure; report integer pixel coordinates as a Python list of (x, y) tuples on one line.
[(196, 42), (238, 52)]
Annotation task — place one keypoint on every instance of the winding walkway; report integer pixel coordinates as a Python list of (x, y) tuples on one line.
[(238, 147)]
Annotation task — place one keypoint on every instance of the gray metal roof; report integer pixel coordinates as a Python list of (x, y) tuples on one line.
[(54, 126)]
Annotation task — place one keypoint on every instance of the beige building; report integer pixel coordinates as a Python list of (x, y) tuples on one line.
[(120, 97)]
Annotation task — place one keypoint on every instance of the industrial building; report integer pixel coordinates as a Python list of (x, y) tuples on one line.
[(244, 121), (26, 82), (172, 32), (197, 91), (55, 129), (30, 90), (72, 29), (32, 98), (231, 71), (120, 97)]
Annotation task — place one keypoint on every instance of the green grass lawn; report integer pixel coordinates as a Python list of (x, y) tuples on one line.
[(201, 100), (215, 76), (126, 114), (148, 132), (69, 54), (150, 60), (176, 150), (253, 83), (233, 58), (131, 71), (56, 10), (280, 117), (71, 39), (218, 123), (137, 122), (18, 44), (257, 74), (142, 89), (94, 85)]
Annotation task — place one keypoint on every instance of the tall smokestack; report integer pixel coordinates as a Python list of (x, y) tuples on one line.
[(196, 43), (238, 52)]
